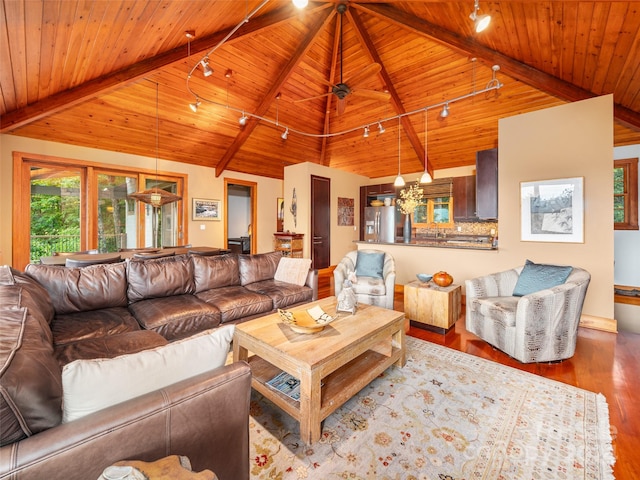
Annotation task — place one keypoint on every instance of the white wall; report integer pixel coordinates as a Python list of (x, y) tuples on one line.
[(202, 183), (239, 210)]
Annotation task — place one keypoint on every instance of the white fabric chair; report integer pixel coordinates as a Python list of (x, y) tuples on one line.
[(369, 290), (538, 327)]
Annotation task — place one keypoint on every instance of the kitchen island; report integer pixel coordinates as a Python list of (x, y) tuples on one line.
[(463, 258)]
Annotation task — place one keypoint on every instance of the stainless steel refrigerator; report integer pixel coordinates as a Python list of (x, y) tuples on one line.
[(380, 224)]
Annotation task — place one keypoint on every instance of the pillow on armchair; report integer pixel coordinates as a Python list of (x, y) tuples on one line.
[(538, 276), (369, 264)]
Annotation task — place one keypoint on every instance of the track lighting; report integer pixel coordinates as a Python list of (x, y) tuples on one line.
[(445, 111), (300, 3), (285, 134), (207, 71), (366, 132), (399, 181), (381, 129), (194, 106), (243, 119), (480, 21), (426, 177)]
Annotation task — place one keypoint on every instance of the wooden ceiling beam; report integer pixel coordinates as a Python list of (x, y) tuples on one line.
[(410, 132), (515, 69), (107, 83), (267, 100)]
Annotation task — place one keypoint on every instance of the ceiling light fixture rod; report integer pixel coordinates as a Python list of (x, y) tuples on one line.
[(494, 86), (233, 30)]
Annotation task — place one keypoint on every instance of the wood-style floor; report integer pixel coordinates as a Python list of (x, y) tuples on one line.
[(608, 363)]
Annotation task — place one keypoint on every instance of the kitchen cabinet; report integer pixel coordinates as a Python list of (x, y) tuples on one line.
[(464, 198), (487, 184), (374, 192)]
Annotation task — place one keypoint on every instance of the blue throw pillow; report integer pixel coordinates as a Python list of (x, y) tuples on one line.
[(369, 264), (537, 276)]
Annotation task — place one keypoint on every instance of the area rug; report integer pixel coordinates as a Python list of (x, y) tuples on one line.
[(445, 415)]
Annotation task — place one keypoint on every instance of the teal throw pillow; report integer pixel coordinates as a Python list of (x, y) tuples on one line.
[(369, 264), (538, 276)]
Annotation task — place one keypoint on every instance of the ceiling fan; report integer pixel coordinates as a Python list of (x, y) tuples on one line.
[(346, 87)]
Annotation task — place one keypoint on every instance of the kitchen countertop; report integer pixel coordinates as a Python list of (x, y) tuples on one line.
[(470, 243)]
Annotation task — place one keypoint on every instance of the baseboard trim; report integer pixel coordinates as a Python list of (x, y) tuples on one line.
[(599, 323)]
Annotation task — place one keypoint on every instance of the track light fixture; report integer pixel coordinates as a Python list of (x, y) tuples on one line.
[(243, 119), (285, 134), (207, 71), (399, 181), (445, 110), (366, 132), (381, 129), (194, 106), (480, 21), (426, 177)]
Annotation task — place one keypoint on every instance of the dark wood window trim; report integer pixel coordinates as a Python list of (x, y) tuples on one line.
[(630, 194)]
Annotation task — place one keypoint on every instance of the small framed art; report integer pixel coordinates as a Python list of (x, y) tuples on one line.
[(552, 210), (206, 209)]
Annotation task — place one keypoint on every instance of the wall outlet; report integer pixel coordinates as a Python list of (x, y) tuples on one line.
[(459, 229), (202, 226)]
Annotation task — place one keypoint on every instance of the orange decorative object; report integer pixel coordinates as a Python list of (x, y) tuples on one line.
[(442, 279)]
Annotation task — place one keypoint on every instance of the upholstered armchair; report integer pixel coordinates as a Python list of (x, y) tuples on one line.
[(526, 317), (376, 276)]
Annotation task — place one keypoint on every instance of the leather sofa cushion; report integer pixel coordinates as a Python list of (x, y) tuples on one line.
[(30, 384), (109, 346), (236, 302), (159, 277), (83, 288), (255, 268), (283, 294), (74, 327), (215, 271), (177, 316), (32, 295), (92, 385)]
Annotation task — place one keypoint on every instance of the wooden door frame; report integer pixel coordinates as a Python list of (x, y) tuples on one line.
[(253, 191)]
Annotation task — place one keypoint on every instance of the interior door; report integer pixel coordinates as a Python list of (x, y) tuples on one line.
[(320, 224)]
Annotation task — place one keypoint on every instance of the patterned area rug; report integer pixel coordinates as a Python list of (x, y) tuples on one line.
[(446, 416)]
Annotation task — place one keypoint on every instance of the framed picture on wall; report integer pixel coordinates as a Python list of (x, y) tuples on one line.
[(552, 210), (206, 209)]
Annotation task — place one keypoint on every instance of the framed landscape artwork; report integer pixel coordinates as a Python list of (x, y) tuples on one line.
[(206, 209), (552, 210)]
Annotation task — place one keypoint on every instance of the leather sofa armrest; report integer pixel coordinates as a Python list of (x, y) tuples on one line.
[(312, 282), (205, 417)]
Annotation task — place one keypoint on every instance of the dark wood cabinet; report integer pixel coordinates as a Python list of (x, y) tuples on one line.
[(464, 198), (487, 184)]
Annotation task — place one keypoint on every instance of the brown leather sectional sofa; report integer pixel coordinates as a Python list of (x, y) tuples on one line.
[(52, 315)]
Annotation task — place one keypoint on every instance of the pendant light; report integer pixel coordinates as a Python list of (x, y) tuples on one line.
[(426, 177), (156, 197), (399, 181)]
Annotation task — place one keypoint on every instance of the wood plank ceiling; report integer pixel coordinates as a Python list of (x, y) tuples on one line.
[(85, 73)]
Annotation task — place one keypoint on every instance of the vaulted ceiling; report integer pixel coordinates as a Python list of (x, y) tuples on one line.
[(90, 73)]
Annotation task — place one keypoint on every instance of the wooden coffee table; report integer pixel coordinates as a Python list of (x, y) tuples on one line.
[(332, 365)]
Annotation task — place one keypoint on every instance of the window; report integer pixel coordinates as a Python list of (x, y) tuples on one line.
[(65, 205), (625, 194), (437, 207)]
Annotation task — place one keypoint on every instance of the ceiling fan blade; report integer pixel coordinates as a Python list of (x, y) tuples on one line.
[(366, 72), (318, 77), (312, 98), (374, 94)]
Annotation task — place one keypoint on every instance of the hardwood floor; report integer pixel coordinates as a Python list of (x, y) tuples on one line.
[(608, 363)]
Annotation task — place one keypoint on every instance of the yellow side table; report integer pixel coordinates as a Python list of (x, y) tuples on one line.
[(431, 307)]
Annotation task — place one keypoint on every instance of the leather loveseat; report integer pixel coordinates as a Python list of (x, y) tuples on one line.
[(51, 316)]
